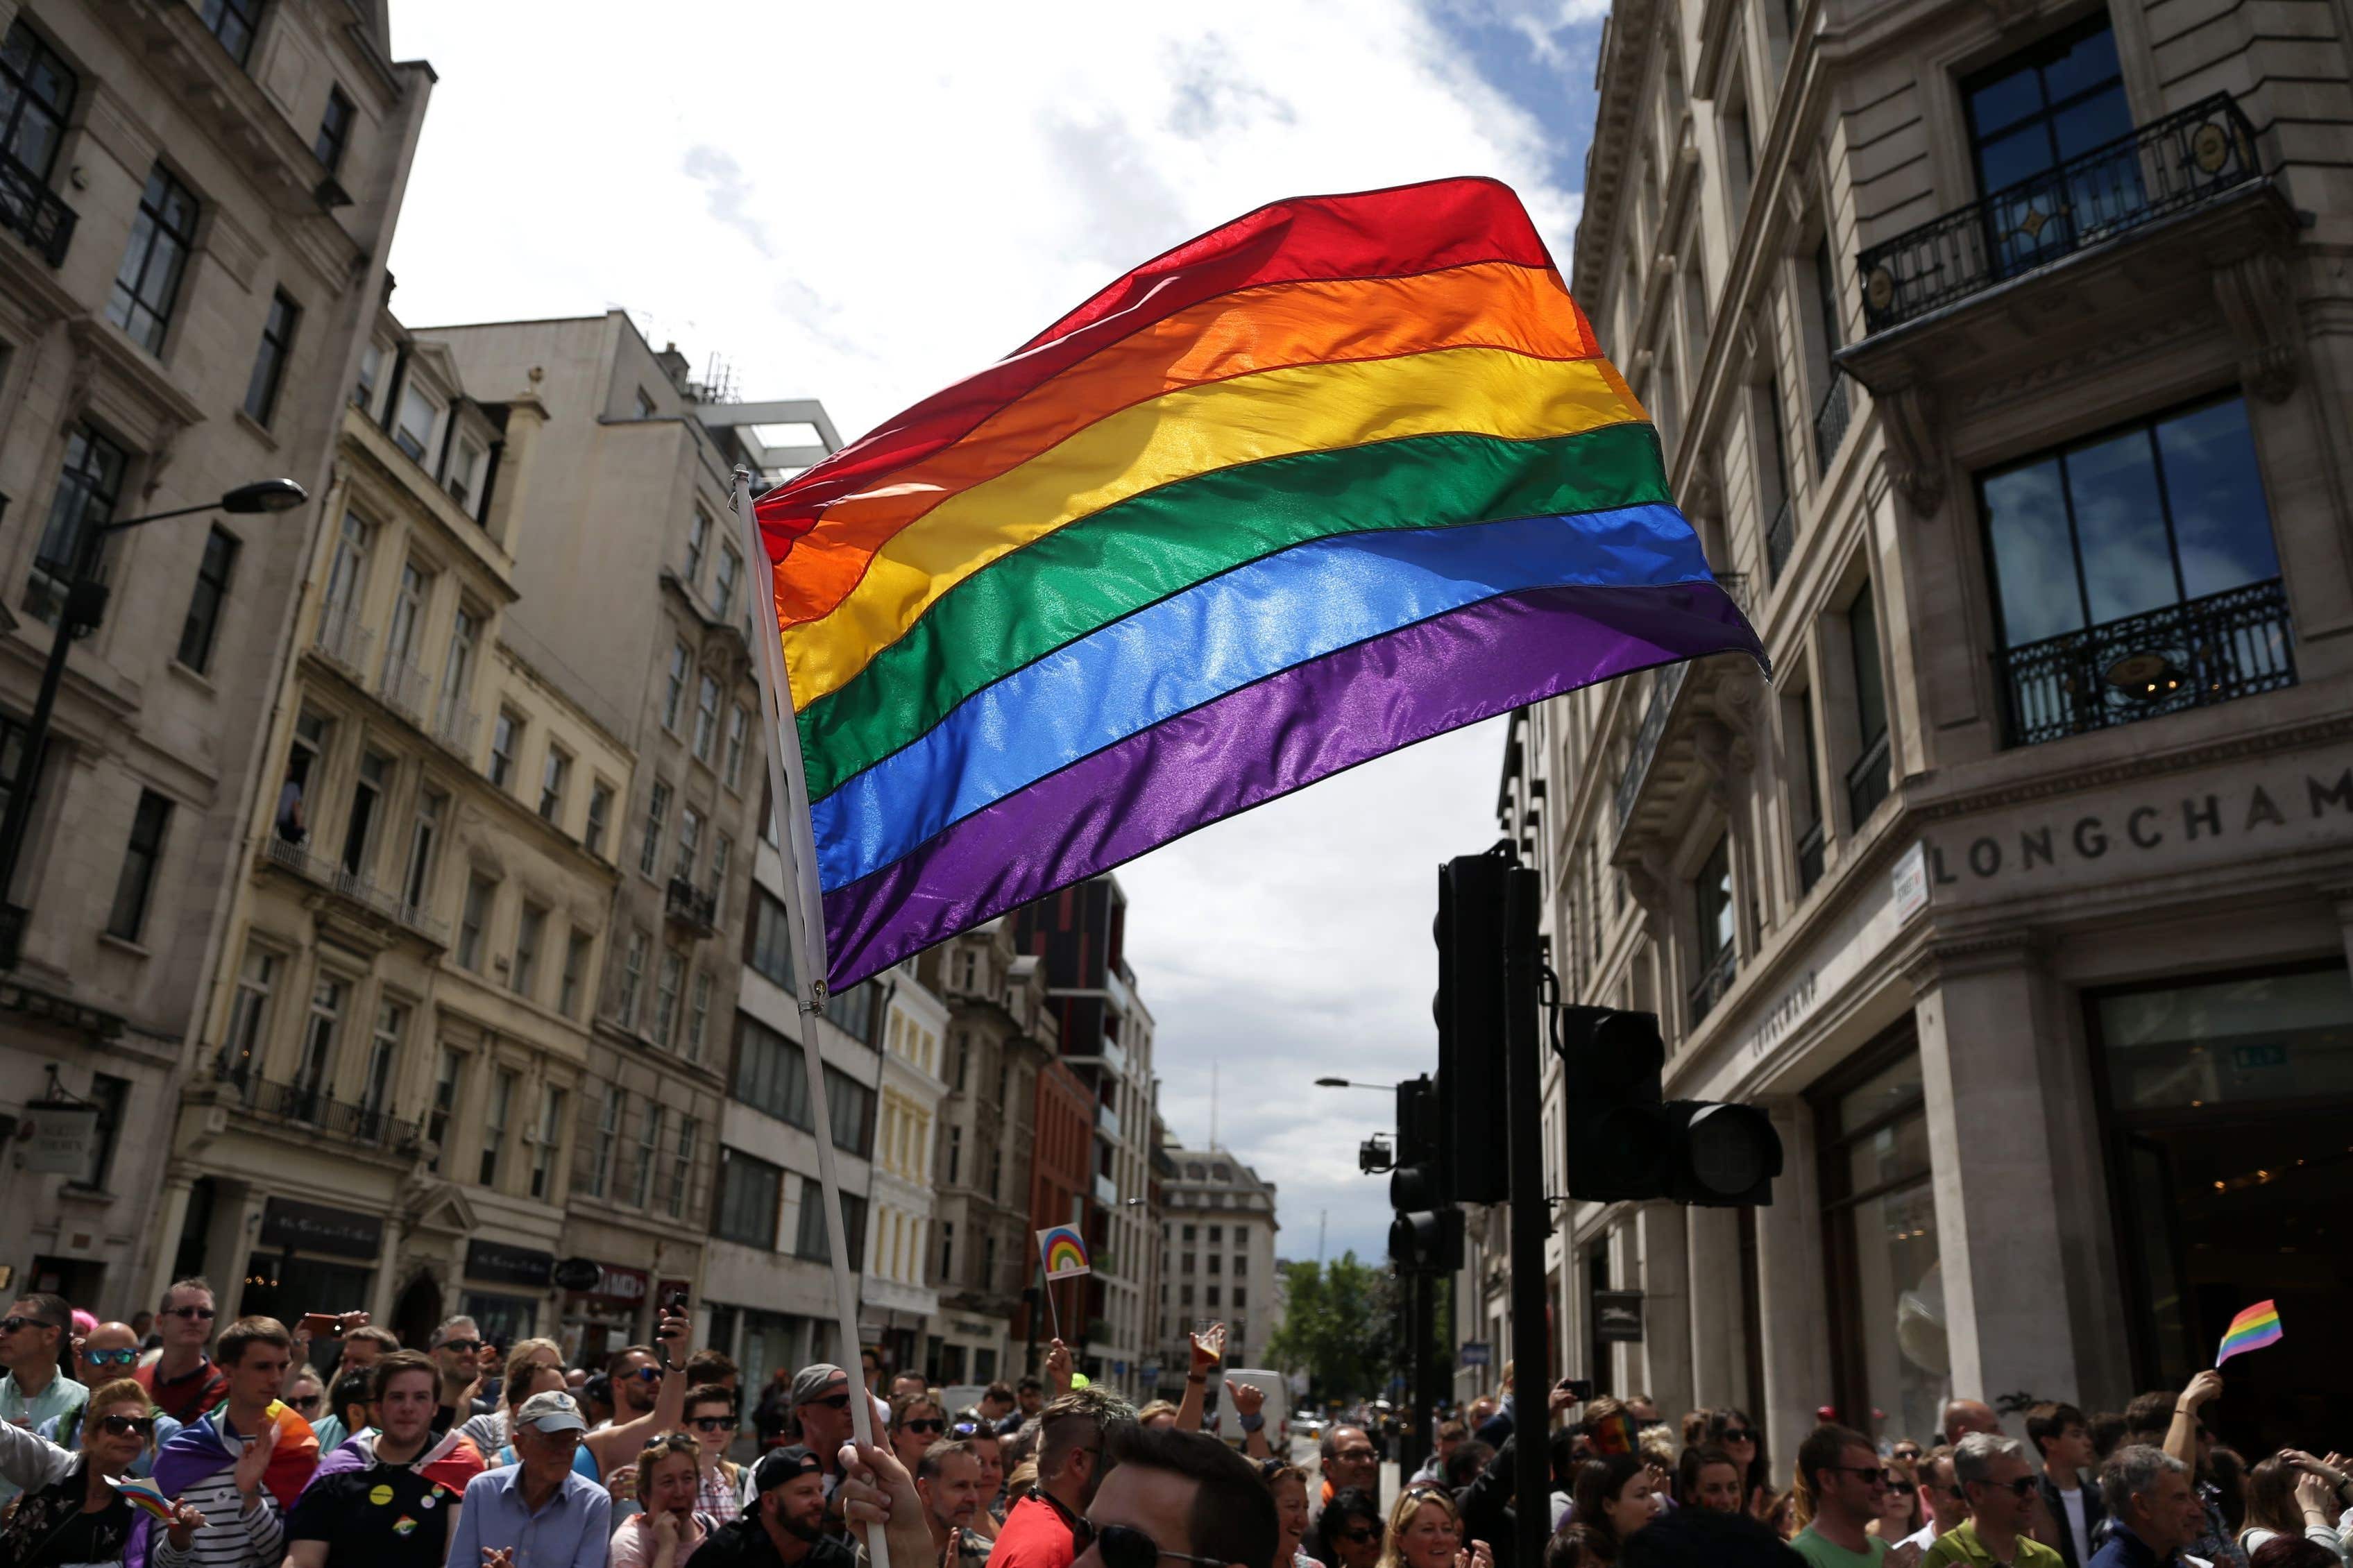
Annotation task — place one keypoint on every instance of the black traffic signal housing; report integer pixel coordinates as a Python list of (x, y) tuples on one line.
[(1427, 1233), (1626, 1141), (1470, 1007)]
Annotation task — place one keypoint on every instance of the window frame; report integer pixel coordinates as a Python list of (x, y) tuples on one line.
[(143, 862), (223, 18), (200, 626), (57, 114), (278, 325), (168, 211), (333, 138)]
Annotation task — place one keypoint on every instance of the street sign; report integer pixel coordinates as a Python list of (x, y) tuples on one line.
[(1618, 1317), (1909, 881), (1475, 1353)]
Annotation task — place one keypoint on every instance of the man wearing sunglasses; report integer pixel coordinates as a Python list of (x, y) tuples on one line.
[(183, 1381), (1850, 1484), (1177, 1498), (2001, 1487), (34, 1337), (710, 1417), (456, 1348), (1074, 1435), (1938, 1489), (785, 1526)]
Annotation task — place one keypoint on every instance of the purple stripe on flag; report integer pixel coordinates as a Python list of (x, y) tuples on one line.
[(1264, 740)]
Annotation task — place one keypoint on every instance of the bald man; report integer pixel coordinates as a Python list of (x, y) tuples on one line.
[(1963, 1416), (109, 1351)]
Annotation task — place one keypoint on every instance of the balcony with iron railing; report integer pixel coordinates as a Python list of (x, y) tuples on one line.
[(2174, 164), (34, 212), (693, 909), (1831, 420), (1667, 683), (290, 856), (1715, 978), (2195, 654), (453, 725), (307, 1106), (344, 640), (404, 689), (1780, 538)]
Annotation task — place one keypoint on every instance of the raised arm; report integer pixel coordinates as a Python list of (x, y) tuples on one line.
[(1208, 1350), (1249, 1400), (618, 1445), (29, 1459), (2181, 1437)]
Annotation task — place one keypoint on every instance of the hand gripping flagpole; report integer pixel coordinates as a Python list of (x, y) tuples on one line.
[(805, 927)]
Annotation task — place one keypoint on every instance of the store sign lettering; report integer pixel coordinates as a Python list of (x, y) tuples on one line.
[(2092, 836)]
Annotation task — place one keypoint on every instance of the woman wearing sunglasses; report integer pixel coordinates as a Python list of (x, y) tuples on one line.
[(917, 1421), (1900, 1512), (70, 1511), (1348, 1534), (1732, 1431), (1425, 1530), (719, 1485)]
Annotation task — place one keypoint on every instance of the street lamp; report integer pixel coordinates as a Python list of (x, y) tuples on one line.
[(1351, 1083), (83, 606)]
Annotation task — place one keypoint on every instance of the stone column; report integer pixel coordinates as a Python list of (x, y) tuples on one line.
[(1790, 1291), (1717, 1314), (173, 1217), (387, 1273), (1990, 1151), (1660, 1236)]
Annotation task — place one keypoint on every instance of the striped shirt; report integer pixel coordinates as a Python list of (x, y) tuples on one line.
[(231, 1537)]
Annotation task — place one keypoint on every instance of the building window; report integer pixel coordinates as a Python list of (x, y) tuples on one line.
[(269, 358), (706, 717), (645, 404), (2134, 575), (554, 775), (849, 1105), (202, 623), (1806, 794), (413, 431), (39, 88), (473, 921), (739, 732), (445, 1103), (600, 817), (722, 587), (770, 950), (233, 22), (650, 1141), (531, 935), (749, 1191), (955, 1154), (550, 1144), (423, 835), (666, 989), (88, 485), (456, 721), (1866, 782), (771, 1075), (657, 813), (674, 690), (368, 794), (364, 388), (697, 544), (577, 948), (135, 884), (689, 843), (506, 739), (495, 1128), (314, 1070), (1712, 898), (339, 607), (698, 1016), (383, 1058), (148, 281), (813, 1243), (633, 975), (334, 131), (681, 1165), (404, 683), (609, 1139), (2027, 116), (249, 1016), (111, 1096), (723, 856), (853, 1012), (1882, 1257)]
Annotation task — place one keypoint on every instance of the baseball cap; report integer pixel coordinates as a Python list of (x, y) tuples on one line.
[(783, 1465), (555, 1411), (812, 1382)]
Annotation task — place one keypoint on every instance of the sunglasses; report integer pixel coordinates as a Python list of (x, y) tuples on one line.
[(204, 1314), (647, 1375), (712, 1423), (1872, 1475), (1738, 1435), (2016, 1489), (831, 1402), (1360, 1537), (1124, 1546), (11, 1325), (1898, 1484), (966, 1428), (1353, 1455), (463, 1347), (109, 1358), (124, 1426), (927, 1425)]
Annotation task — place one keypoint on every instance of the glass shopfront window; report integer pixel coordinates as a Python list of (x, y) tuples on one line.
[(1886, 1283), (2226, 1100)]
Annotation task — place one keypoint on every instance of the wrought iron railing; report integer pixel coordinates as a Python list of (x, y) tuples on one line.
[(1866, 782), (32, 212), (2191, 655), (1831, 421), (286, 852), (1809, 856), (691, 906), (304, 1105), (1714, 981), (344, 639), (454, 728), (1780, 538), (1665, 686), (2167, 167), (405, 688)]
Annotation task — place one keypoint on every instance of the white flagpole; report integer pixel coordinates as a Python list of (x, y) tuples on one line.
[(805, 926)]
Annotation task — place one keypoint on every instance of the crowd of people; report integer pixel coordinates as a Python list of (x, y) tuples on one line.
[(181, 1443), (2146, 1487)]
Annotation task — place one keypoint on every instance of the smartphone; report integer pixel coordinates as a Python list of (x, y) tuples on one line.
[(321, 1326), (1579, 1388), (673, 1302)]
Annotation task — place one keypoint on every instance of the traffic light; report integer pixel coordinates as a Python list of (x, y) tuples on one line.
[(1427, 1233), (1471, 933), (1626, 1141)]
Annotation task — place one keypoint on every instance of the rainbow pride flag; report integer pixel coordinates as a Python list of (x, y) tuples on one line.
[(2252, 1329), (1063, 1252), (1339, 476)]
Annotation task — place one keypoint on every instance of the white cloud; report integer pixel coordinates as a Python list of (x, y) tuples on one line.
[(864, 203)]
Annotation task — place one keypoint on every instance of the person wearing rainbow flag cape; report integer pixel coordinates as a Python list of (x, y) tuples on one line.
[(388, 1497), (239, 1467)]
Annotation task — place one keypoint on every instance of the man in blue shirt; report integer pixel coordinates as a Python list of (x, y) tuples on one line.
[(2156, 1510), (537, 1512)]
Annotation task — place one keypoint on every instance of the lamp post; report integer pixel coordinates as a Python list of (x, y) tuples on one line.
[(1351, 1083), (84, 604)]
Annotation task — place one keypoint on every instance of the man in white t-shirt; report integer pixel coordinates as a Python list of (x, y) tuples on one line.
[(1941, 1490), (2061, 1435)]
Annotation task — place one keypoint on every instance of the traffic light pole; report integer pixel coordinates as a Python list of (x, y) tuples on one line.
[(1531, 1220)]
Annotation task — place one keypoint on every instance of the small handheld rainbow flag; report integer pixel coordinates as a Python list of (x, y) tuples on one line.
[(1064, 1252), (2252, 1329), (143, 1495)]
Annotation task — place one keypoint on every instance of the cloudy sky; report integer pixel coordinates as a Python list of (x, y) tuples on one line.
[(863, 202)]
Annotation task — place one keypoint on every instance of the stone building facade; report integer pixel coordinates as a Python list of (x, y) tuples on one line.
[(2001, 355), (897, 1297), (1217, 1259), (194, 218)]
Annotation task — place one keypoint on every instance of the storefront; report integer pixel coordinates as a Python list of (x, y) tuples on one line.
[(505, 1289), (310, 1257), (598, 1322)]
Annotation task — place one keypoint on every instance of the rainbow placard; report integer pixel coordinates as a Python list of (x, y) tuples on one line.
[(143, 1495), (1064, 1252), (2252, 1329)]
